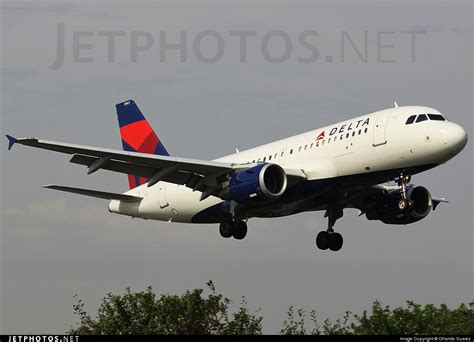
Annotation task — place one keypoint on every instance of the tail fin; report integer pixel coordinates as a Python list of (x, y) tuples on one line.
[(137, 135)]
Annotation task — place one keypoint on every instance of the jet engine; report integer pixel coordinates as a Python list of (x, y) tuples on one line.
[(387, 210), (262, 182)]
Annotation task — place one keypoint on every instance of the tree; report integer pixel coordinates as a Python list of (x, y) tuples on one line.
[(197, 314), (144, 313), (414, 319), (297, 326)]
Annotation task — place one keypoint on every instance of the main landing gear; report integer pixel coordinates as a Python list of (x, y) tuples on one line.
[(329, 238), (236, 229), (404, 204)]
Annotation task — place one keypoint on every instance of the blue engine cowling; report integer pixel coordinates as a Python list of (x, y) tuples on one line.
[(386, 208), (263, 182)]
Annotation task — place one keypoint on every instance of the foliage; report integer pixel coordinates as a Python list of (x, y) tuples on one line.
[(194, 313), (297, 326), (414, 319), (144, 313)]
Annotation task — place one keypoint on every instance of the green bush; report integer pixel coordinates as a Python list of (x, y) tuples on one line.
[(414, 319), (144, 313)]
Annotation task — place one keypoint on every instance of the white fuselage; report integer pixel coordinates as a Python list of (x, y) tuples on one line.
[(374, 142)]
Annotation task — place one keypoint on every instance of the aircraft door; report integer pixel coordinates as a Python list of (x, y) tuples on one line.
[(162, 195), (381, 121)]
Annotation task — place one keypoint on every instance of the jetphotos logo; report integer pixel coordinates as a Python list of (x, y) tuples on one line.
[(344, 128)]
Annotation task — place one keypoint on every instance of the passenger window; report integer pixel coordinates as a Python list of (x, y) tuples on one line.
[(276, 155), (335, 138), (341, 137), (323, 142), (253, 161), (270, 158), (360, 131), (436, 117), (353, 133), (317, 143), (281, 154), (291, 151), (365, 130), (329, 140), (347, 135), (421, 117), (299, 150), (410, 120), (311, 146), (264, 158), (305, 147)]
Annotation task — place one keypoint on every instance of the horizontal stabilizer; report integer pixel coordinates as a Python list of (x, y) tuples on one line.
[(95, 193)]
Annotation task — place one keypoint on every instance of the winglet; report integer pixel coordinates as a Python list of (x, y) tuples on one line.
[(11, 141)]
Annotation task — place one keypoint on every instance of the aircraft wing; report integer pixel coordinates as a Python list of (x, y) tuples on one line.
[(205, 176), (152, 160)]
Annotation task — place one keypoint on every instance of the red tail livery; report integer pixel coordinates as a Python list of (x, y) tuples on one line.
[(137, 135)]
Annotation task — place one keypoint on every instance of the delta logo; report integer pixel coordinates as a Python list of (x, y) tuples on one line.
[(344, 128)]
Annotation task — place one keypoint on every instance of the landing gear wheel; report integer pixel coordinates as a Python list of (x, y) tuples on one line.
[(404, 204), (335, 242), (226, 229), (240, 230), (322, 240)]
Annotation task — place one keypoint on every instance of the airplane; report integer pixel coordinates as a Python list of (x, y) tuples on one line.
[(364, 163)]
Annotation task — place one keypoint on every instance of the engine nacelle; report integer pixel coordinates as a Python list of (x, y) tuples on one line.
[(387, 211), (264, 182)]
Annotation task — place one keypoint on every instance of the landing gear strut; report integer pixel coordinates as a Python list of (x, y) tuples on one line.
[(237, 229), (329, 238), (404, 204)]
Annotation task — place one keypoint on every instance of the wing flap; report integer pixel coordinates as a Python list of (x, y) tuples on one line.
[(152, 160), (176, 177), (95, 193)]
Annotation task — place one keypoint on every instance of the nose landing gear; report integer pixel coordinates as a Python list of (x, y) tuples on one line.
[(404, 204), (329, 239)]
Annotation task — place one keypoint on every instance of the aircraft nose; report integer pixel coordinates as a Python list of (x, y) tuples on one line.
[(456, 138)]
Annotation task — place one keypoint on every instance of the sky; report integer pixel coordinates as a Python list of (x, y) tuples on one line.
[(303, 66)]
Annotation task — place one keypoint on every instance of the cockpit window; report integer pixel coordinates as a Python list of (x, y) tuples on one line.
[(410, 120), (436, 117), (421, 117)]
